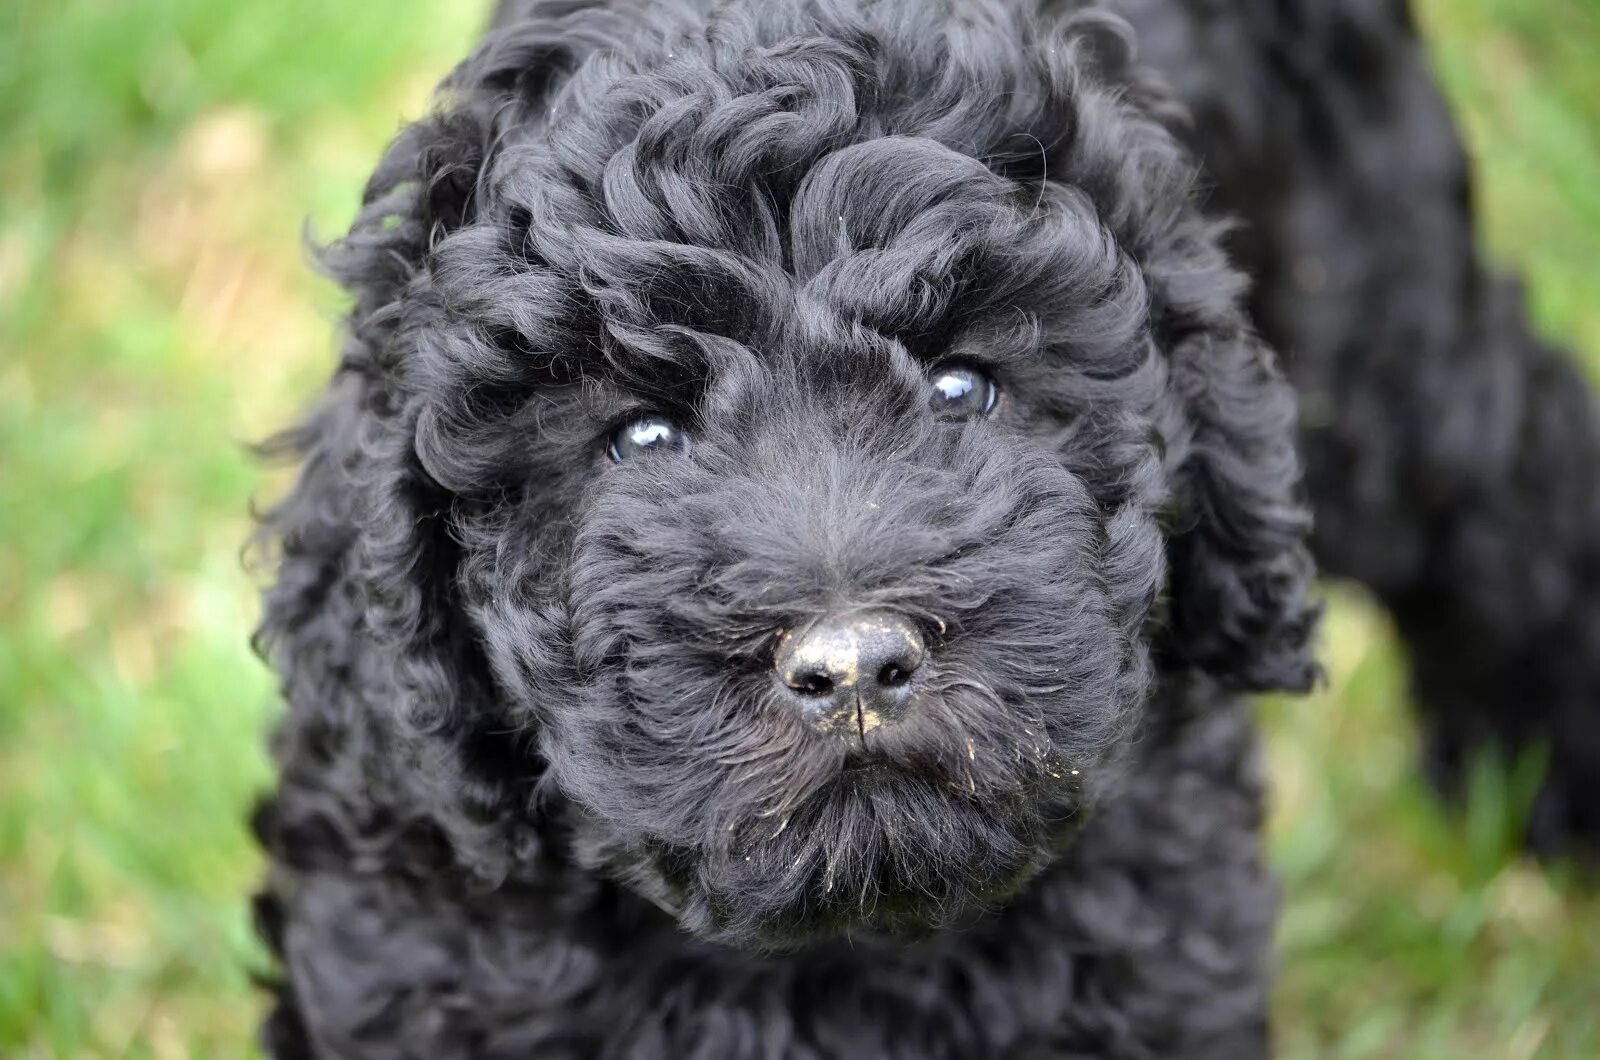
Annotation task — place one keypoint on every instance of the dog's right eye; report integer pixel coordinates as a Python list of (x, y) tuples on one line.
[(645, 433), (964, 390)]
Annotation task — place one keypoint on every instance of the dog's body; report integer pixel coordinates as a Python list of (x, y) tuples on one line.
[(554, 783)]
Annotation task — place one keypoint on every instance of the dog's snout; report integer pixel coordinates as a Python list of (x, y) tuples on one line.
[(852, 673)]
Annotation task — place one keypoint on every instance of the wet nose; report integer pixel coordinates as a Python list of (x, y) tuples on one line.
[(851, 673)]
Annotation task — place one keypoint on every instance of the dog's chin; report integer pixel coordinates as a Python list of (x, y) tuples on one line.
[(876, 851)]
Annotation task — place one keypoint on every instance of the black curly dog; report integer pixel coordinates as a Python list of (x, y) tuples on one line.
[(802, 498)]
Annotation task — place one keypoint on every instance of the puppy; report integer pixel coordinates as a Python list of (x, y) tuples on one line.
[(776, 567)]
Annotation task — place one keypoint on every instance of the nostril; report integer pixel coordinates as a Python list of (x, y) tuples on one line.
[(813, 685), (893, 675)]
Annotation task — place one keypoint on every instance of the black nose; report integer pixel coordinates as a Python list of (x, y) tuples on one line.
[(852, 673)]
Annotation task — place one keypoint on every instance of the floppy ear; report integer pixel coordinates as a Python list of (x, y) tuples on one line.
[(1240, 571), (368, 614), (1239, 568), (366, 596)]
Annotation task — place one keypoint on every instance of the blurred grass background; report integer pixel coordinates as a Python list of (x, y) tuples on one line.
[(157, 160)]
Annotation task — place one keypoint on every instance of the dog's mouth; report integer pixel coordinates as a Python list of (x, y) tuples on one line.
[(864, 763), (781, 836), (881, 846)]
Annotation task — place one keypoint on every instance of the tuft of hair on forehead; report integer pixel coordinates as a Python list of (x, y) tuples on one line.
[(763, 167)]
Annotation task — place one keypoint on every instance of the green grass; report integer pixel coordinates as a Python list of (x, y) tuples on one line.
[(156, 314)]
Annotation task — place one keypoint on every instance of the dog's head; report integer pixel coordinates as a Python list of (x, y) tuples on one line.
[(799, 442)]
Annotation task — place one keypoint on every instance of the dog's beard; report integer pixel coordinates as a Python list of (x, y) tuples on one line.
[(790, 837), (879, 848)]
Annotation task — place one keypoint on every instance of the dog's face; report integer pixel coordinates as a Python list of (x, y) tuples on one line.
[(810, 472), (842, 633)]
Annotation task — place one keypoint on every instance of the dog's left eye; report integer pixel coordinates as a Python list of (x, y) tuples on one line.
[(643, 434), (964, 390)]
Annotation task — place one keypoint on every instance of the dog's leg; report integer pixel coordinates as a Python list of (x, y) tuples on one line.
[(1453, 458)]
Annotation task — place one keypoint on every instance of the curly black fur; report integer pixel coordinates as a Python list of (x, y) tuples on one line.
[(540, 794)]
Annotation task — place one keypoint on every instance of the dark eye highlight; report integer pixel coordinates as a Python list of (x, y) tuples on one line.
[(643, 434), (963, 390)]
